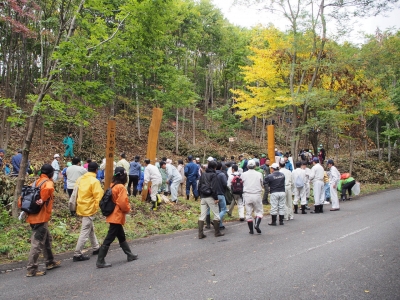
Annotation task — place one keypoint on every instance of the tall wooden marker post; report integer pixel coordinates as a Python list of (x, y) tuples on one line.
[(153, 140), (271, 142), (110, 150)]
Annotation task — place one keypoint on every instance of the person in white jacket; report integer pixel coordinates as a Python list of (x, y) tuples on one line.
[(317, 179), (299, 186), (173, 177), (334, 178), (151, 173), (288, 190), (237, 198)]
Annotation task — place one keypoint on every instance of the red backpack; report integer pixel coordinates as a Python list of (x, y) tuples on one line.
[(237, 185)]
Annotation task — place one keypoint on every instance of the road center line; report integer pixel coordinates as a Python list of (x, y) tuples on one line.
[(328, 242)]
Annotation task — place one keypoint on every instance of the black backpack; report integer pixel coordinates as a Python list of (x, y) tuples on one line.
[(107, 204), (237, 185), (29, 196), (205, 186)]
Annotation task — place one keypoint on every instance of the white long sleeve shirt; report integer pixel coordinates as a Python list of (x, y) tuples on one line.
[(252, 182), (151, 173), (288, 177), (173, 173), (317, 173), (334, 177), (299, 172)]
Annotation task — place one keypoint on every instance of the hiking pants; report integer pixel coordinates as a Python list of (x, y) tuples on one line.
[(115, 231), (40, 243), (153, 191), (208, 203), (278, 203), (192, 184), (348, 186), (253, 202), (288, 202), (334, 197), (87, 232), (133, 179)]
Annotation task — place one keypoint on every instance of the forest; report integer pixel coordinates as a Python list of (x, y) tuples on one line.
[(69, 65)]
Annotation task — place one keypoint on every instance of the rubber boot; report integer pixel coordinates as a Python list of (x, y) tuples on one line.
[(321, 209), (303, 210), (316, 209), (187, 197), (250, 224), (127, 250), (208, 222), (257, 224), (273, 223), (216, 228), (296, 207), (281, 217), (154, 205), (100, 258), (195, 198), (201, 228)]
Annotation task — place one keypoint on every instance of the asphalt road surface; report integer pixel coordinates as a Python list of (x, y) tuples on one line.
[(350, 254)]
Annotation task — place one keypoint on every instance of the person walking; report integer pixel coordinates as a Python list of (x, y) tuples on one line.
[(56, 166), (153, 175), (192, 174), (174, 179), (134, 175), (87, 205), (69, 145), (334, 177), (181, 170), (288, 190), (117, 219), (73, 173), (237, 196), (276, 184), (209, 199), (221, 186), (41, 238), (299, 186), (317, 179), (252, 190)]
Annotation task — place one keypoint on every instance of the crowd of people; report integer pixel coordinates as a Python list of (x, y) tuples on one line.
[(249, 183)]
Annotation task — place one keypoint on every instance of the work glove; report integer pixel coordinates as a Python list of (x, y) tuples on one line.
[(145, 187)]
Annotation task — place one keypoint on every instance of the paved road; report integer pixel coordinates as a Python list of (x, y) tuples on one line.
[(350, 254)]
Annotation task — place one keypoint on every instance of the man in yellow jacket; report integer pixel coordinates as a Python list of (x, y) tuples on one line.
[(87, 205)]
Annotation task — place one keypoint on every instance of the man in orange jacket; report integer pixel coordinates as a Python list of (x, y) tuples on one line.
[(41, 238)]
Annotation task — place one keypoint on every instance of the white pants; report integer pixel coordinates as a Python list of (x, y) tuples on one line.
[(174, 190), (288, 203), (253, 202), (334, 197), (278, 203), (154, 191), (300, 193), (240, 203), (319, 192), (308, 188), (206, 203)]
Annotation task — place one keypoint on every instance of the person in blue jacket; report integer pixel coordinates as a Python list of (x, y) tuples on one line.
[(64, 174), (192, 174), (141, 180), (16, 162), (69, 145), (288, 164)]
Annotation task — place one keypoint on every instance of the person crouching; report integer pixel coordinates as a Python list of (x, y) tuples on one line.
[(117, 219)]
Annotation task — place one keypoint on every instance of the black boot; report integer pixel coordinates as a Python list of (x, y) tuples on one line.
[(316, 209), (100, 258), (250, 224), (208, 222), (187, 197), (281, 217), (321, 209), (127, 250), (296, 207), (303, 210), (195, 198), (257, 225), (201, 228), (273, 223), (216, 228)]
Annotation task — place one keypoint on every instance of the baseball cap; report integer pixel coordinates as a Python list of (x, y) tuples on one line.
[(275, 166), (315, 159), (329, 162), (119, 171), (210, 158), (56, 155), (251, 163), (46, 169), (69, 164), (92, 166), (169, 161), (262, 155), (2, 151)]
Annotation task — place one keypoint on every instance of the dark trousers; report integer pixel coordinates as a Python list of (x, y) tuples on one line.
[(347, 187), (265, 196), (192, 184), (115, 231), (133, 179), (70, 192)]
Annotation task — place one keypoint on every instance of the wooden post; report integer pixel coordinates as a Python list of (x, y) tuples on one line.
[(271, 142), (110, 150), (152, 143)]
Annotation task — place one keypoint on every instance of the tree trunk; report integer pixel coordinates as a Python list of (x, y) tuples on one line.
[(377, 139), (177, 132), (194, 125), (48, 80), (351, 151), (389, 143), (183, 121), (137, 112)]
